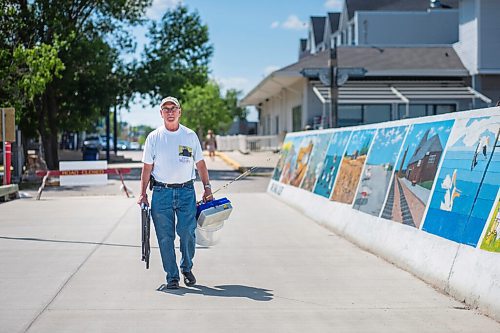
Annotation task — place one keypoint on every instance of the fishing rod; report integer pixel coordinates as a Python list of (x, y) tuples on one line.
[(244, 174)]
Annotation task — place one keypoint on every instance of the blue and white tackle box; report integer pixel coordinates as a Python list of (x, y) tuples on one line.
[(213, 213)]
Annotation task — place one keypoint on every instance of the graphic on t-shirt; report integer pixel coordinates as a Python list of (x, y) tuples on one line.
[(185, 151)]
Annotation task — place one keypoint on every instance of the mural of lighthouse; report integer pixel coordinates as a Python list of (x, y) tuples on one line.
[(468, 181)]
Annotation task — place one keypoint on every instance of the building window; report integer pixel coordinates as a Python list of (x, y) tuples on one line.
[(349, 115), (443, 108), (432, 159), (416, 110), (357, 114), (297, 118), (352, 35), (422, 110), (376, 113)]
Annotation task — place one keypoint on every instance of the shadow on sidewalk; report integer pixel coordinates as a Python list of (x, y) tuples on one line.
[(257, 294), (33, 239)]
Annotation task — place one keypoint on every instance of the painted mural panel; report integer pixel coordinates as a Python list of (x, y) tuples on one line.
[(491, 240), (302, 152), (291, 158), (379, 169), (331, 163), (467, 183), (416, 171), (316, 162), (285, 150), (303, 158), (351, 166)]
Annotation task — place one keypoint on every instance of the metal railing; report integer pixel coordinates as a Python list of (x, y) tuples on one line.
[(247, 143)]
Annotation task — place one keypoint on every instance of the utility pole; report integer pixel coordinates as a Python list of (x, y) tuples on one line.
[(115, 130)]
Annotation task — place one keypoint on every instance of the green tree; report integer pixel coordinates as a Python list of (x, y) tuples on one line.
[(66, 71), (176, 56), (237, 112), (203, 108)]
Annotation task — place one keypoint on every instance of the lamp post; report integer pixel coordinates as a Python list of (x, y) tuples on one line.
[(332, 65)]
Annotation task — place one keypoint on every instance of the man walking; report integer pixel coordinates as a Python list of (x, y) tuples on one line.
[(170, 154)]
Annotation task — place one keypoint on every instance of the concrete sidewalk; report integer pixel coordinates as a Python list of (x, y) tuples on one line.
[(72, 264), (265, 160)]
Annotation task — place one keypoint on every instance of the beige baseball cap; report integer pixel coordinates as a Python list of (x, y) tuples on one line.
[(171, 100)]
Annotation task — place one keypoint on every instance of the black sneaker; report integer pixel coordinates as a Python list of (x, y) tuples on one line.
[(189, 279), (174, 284)]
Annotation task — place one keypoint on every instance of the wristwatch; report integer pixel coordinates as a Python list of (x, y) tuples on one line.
[(208, 186)]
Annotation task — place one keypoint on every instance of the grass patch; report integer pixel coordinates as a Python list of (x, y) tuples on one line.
[(427, 184)]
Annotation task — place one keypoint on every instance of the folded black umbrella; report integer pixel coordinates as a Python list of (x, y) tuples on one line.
[(146, 230)]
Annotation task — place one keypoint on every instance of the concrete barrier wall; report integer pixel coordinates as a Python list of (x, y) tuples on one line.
[(422, 193)]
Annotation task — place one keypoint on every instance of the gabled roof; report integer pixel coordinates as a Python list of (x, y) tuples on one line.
[(318, 60), (426, 145), (333, 20), (402, 62), (318, 28), (393, 5), (409, 60)]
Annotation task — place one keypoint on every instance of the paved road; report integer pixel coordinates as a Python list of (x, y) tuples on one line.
[(72, 264), (377, 186)]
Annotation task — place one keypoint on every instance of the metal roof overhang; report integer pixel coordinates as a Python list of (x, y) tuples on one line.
[(396, 93), (271, 86)]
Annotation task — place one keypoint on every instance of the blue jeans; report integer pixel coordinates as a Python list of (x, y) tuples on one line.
[(165, 205)]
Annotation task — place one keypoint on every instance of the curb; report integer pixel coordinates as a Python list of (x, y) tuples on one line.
[(238, 167), (232, 163)]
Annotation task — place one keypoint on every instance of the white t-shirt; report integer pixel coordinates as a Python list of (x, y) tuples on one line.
[(173, 154)]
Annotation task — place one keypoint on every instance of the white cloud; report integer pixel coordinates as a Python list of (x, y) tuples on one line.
[(238, 83), (291, 23), (398, 138), (471, 133), (294, 23), (334, 5), (269, 69), (159, 7)]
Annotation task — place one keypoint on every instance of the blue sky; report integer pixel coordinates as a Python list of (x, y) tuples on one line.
[(387, 145), (358, 139), (250, 38)]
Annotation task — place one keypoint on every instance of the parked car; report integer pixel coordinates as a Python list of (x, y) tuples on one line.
[(104, 143), (135, 146), (123, 145), (93, 142)]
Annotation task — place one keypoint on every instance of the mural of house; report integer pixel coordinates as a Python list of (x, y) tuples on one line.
[(443, 57), (424, 162)]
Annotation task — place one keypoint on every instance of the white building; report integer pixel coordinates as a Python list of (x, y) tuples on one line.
[(392, 59)]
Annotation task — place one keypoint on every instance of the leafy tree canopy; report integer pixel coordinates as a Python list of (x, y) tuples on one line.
[(177, 55), (204, 108)]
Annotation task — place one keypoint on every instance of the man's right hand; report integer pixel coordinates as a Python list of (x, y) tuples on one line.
[(143, 199)]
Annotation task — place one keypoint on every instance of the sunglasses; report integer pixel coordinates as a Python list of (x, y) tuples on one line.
[(170, 110)]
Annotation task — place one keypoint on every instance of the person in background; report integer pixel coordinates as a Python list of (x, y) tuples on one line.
[(211, 144)]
